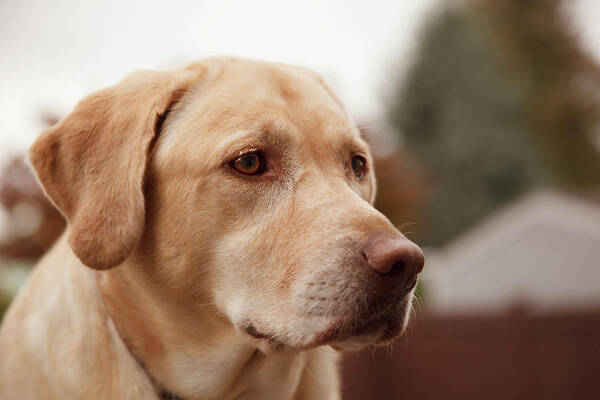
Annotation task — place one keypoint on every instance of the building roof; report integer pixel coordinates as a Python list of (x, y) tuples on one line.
[(542, 252)]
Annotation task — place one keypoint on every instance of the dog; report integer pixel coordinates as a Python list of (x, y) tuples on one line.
[(221, 243)]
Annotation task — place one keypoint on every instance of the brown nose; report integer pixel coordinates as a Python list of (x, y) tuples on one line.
[(395, 256)]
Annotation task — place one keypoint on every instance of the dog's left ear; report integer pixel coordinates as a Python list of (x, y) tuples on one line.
[(92, 163)]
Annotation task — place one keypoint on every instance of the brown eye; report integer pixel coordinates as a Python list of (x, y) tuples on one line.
[(248, 164), (359, 166)]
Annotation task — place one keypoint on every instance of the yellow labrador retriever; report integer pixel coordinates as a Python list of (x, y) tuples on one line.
[(221, 243)]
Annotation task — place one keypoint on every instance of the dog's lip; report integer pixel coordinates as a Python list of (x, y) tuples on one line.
[(378, 328), (252, 331)]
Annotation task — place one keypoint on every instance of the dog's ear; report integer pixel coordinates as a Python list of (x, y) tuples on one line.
[(92, 163)]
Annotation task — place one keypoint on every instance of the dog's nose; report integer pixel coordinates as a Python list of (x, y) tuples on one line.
[(395, 256)]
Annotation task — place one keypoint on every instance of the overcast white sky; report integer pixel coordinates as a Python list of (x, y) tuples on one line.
[(53, 52)]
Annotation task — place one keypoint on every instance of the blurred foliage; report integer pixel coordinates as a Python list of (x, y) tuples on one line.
[(33, 223), (561, 79), (29, 223), (4, 302), (500, 99), (13, 275), (29, 226)]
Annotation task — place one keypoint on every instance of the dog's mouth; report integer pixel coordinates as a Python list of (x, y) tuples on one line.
[(379, 329), (347, 332), (252, 331), (381, 324)]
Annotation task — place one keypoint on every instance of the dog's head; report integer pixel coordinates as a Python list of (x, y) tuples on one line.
[(249, 187)]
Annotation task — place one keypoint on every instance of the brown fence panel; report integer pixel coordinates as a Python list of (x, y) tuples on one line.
[(508, 357)]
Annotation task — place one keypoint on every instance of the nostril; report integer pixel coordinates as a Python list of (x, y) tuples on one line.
[(397, 268)]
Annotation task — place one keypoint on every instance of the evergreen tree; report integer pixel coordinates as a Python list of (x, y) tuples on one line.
[(486, 128)]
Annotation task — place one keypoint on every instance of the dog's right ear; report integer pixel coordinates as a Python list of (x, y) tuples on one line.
[(92, 163)]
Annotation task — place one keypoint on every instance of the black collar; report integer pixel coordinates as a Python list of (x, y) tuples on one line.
[(165, 395)]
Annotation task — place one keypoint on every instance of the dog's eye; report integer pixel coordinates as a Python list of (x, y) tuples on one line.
[(359, 165), (248, 164)]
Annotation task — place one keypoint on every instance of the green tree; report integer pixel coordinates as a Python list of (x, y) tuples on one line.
[(561, 80), (479, 120)]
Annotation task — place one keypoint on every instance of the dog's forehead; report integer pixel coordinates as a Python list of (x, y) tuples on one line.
[(236, 97), (249, 91)]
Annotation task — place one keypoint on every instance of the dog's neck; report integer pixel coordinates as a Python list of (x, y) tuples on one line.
[(165, 393), (193, 353)]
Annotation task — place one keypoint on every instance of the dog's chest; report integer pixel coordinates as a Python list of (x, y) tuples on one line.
[(277, 377), (242, 377)]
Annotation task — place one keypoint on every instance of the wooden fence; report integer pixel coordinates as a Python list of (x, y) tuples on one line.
[(477, 357)]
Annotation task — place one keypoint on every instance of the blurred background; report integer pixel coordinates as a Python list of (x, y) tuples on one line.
[(484, 118)]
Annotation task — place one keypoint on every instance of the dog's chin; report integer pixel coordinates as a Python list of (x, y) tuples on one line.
[(379, 333), (343, 333), (379, 330)]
